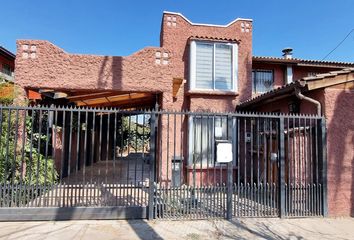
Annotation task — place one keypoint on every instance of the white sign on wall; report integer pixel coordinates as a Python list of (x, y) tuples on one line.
[(224, 152)]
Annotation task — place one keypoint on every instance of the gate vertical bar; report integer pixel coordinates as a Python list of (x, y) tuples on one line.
[(322, 156), (152, 166), (230, 173), (281, 168)]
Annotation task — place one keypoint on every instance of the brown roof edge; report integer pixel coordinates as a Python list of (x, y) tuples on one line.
[(210, 38), (274, 94), (275, 60), (7, 53), (302, 62)]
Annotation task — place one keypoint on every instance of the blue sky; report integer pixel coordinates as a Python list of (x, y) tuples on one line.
[(312, 28)]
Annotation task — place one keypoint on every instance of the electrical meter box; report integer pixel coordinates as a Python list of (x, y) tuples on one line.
[(224, 153)]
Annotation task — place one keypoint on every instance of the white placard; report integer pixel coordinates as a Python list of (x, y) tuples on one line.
[(224, 152)]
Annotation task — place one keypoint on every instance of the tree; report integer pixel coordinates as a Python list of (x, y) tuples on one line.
[(135, 134)]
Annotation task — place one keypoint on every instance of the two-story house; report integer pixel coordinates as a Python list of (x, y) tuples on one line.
[(196, 68)]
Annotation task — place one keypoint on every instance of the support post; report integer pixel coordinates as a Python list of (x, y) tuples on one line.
[(282, 210), (230, 174), (152, 166), (322, 155)]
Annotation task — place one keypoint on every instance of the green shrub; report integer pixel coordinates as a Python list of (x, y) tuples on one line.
[(18, 163)]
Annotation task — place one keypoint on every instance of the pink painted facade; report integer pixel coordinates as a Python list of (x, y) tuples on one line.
[(48, 66), (340, 137)]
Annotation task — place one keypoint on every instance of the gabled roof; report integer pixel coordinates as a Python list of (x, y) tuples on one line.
[(6, 53), (302, 62), (306, 84)]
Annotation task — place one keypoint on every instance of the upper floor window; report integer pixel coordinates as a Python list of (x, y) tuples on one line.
[(262, 80), (213, 66)]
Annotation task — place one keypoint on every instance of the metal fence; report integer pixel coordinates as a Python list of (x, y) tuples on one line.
[(93, 163), (74, 159), (305, 168), (278, 166)]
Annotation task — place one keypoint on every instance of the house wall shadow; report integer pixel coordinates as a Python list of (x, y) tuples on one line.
[(143, 230), (340, 139), (110, 70)]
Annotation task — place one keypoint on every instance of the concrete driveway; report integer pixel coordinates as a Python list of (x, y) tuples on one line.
[(314, 228)]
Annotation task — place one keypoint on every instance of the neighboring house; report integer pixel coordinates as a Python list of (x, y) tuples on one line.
[(7, 68), (330, 94), (273, 72), (275, 81), (198, 67), (7, 64)]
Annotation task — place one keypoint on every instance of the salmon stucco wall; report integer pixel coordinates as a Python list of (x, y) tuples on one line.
[(340, 139), (40, 64)]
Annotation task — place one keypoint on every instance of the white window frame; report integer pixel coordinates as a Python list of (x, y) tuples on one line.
[(191, 139), (193, 63)]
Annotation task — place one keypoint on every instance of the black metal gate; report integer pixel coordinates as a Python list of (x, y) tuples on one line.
[(73, 163), (92, 163), (278, 165)]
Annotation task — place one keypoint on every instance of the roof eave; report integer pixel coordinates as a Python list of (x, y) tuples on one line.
[(275, 61), (273, 95), (7, 53), (302, 62), (339, 66)]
